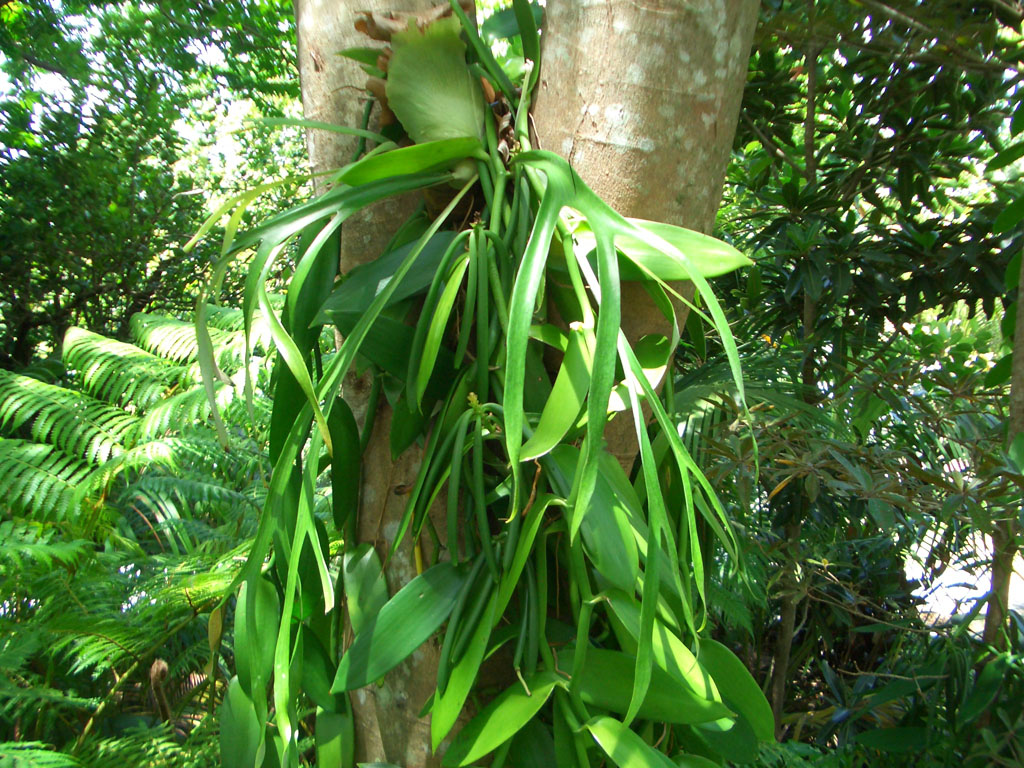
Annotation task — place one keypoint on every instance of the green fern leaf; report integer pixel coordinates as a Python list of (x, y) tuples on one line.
[(38, 481), (72, 421), (122, 374)]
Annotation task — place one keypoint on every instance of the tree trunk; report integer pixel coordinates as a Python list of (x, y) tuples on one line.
[(644, 102), (333, 90), (643, 99), (1006, 532)]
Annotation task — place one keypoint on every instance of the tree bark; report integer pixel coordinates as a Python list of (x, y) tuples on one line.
[(388, 728), (643, 100), (1006, 532)]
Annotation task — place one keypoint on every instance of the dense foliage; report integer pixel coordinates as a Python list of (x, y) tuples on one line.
[(876, 185), (123, 517), (107, 143)]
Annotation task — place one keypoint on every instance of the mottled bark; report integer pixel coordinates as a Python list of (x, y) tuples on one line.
[(643, 100), (388, 728)]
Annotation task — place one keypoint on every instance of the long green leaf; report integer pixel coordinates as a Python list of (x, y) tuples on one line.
[(365, 590), (405, 161), (258, 607), (567, 395), (625, 747), (437, 326), (670, 653), (240, 729), (405, 622), (501, 719), (449, 704), (739, 690), (607, 682), (705, 255)]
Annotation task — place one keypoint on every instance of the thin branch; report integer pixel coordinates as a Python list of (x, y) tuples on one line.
[(770, 143)]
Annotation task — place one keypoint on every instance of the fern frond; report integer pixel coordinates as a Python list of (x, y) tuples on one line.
[(34, 754), (38, 481), (185, 510), (164, 453), (18, 698), (153, 747), (72, 421), (176, 340), (24, 544), (96, 642), (232, 319), (178, 413), (121, 373), (189, 491), (50, 369)]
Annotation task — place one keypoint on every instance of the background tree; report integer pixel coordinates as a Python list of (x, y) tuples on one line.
[(861, 179), (101, 162)]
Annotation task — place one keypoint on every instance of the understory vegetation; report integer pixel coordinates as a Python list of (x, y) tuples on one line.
[(194, 568)]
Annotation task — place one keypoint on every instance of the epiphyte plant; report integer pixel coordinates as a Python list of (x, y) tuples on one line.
[(534, 548)]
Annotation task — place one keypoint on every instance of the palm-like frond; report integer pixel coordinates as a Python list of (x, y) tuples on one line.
[(176, 340), (38, 481), (27, 544), (74, 422), (121, 373), (180, 412)]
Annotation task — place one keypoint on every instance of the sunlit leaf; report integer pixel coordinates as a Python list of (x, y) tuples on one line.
[(501, 719), (401, 626), (624, 746)]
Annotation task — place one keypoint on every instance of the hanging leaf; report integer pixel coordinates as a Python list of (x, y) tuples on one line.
[(501, 719), (240, 728), (254, 646), (365, 590), (607, 682), (400, 627), (739, 690), (567, 397)]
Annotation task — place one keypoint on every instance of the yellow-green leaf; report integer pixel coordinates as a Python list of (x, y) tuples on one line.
[(625, 747), (704, 255), (501, 719)]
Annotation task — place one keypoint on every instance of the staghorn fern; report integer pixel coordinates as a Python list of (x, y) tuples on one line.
[(74, 422)]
